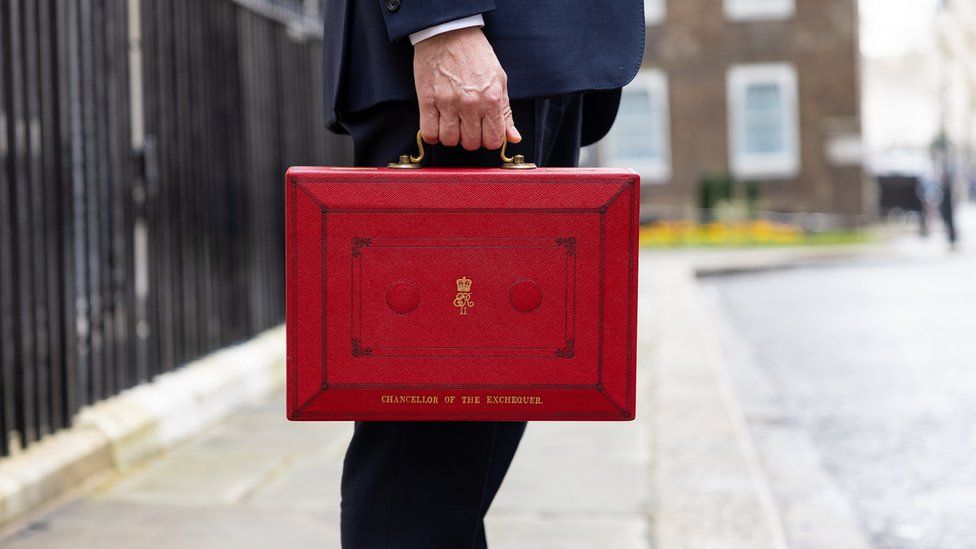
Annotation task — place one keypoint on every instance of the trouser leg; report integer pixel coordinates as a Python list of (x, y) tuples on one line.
[(429, 485)]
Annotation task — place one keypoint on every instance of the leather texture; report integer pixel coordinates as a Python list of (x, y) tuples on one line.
[(461, 294)]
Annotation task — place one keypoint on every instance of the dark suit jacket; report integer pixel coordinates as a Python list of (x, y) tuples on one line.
[(547, 47)]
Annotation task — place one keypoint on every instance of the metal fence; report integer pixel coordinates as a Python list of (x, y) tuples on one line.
[(142, 150)]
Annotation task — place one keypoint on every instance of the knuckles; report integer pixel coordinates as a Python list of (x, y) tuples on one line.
[(428, 100), (494, 97), (469, 102), (443, 100), (491, 100)]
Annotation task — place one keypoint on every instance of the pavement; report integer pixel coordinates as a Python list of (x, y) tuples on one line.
[(256, 480), (857, 380), (690, 472)]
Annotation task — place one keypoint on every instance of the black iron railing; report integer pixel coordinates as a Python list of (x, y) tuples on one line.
[(142, 150)]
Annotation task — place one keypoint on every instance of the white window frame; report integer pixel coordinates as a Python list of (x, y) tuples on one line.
[(655, 11), (655, 171), (764, 166), (759, 10)]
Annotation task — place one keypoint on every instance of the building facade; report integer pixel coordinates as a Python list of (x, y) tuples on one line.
[(956, 39), (760, 90)]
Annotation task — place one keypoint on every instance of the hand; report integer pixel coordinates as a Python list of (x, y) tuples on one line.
[(463, 91)]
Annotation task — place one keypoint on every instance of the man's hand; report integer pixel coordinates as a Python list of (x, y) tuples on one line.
[(463, 91)]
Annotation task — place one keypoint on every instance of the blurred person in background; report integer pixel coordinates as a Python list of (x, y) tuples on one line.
[(470, 74), (944, 178)]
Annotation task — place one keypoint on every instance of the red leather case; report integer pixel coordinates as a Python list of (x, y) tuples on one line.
[(461, 294)]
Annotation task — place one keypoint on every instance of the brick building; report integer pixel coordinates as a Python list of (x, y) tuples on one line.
[(764, 90)]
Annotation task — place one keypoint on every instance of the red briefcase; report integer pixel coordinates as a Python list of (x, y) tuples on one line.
[(461, 294)]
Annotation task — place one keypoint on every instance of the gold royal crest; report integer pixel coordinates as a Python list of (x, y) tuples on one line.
[(463, 299)]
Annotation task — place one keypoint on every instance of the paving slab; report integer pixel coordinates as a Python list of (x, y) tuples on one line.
[(97, 522), (566, 532), (709, 488)]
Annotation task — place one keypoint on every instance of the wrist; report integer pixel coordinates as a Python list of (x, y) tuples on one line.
[(471, 22), (449, 40)]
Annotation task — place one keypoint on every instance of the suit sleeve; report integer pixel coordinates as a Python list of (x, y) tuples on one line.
[(404, 17)]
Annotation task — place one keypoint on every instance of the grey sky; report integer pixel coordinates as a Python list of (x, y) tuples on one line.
[(892, 27)]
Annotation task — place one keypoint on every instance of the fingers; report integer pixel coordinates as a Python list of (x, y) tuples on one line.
[(429, 123), (511, 132), (449, 128), (491, 133), (493, 128), (513, 135), (470, 121), (471, 131)]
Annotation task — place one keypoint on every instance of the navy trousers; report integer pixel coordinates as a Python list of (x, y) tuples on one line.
[(428, 485)]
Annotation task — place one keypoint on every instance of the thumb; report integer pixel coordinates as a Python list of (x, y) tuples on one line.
[(511, 132)]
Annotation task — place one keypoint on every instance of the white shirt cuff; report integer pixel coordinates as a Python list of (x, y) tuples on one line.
[(462, 23)]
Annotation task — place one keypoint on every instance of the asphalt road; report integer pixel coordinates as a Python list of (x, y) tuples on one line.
[(876, 362)]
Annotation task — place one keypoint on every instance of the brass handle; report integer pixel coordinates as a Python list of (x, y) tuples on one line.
[(407, 161)]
